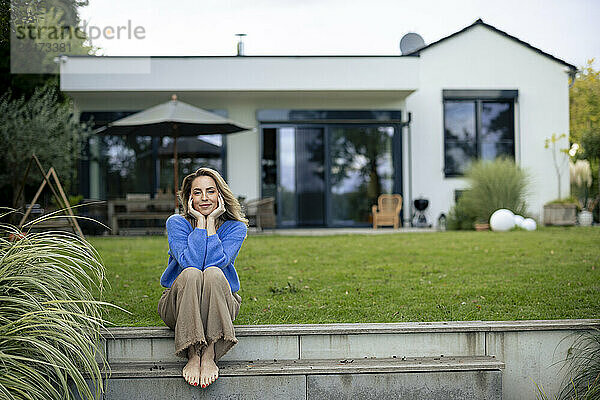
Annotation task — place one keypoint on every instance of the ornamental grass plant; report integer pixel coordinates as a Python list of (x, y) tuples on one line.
[(582, 364), (581, 184), (492, 185), (50, 322)]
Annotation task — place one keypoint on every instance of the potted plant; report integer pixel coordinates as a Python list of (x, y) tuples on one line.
[(581, 181), (560, 211)]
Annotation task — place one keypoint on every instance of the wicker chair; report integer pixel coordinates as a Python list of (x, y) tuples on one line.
[(389, 210), (261, 212)]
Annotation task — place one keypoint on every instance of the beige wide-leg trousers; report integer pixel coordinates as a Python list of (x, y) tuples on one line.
[(200, 308)]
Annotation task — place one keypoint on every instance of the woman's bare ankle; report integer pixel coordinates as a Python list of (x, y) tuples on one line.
[(192, 352), (209, 352)]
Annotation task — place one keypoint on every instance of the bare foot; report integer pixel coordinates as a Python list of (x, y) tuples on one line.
[(191, 371), (209, 372)]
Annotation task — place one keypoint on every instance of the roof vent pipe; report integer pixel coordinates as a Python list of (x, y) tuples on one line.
[(240, 45), (573, 76)]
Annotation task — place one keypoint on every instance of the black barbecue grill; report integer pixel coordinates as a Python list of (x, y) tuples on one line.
[(419, 220)]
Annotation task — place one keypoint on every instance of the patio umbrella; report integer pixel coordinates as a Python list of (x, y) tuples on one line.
[(173, 118), (190, 147)]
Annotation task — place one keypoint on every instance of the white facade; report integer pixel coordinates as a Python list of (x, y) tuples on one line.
[(483, 59), (478, 58)]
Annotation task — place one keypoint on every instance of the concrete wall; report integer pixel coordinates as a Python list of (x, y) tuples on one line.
[(483, 59), (247, 73)]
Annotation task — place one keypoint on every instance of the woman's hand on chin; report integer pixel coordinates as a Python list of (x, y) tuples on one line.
[(200, 219), (217, 212)]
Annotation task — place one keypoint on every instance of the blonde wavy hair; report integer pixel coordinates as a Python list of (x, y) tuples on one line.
[(233, 209)]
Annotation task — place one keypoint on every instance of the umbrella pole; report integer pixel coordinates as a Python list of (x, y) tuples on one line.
[(176, 165)]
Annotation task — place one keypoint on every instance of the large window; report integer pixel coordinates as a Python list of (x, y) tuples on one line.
[(126, 165), (193, 152), (477, 126), (142, 164), (114, 166)]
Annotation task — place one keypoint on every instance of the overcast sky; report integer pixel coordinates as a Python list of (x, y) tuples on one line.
[(568, 29)]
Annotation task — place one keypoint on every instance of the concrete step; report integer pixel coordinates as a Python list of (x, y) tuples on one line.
[(530, 350), (368, 378), (314, 367)]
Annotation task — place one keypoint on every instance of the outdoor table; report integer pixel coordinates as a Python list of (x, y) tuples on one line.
[(145, 209)]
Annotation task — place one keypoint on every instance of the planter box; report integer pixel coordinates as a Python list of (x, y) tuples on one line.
[(560, 214), (482, 227)]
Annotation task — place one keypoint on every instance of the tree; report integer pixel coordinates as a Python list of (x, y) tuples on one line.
[(590, 142), (23, 86), (584, 103), (585, 117), (35, 51), (57, 12), (42, 126), (558, 160)]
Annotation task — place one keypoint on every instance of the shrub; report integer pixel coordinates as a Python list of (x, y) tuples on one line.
[(50, 323), (43, 126), (459, 218), (492, 185)]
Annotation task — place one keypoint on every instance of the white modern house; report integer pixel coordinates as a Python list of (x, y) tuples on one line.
[(333, 132)]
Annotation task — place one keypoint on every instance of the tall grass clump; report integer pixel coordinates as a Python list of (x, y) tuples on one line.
[(50, 323), (492, 185), (582, 380)]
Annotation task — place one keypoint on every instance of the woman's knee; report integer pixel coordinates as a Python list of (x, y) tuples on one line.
[(190, 273), (214, 274)]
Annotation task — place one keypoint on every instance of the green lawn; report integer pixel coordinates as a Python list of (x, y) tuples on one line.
[(552, 273)]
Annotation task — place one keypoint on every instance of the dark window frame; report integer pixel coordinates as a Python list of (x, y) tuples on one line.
[(478, 97)]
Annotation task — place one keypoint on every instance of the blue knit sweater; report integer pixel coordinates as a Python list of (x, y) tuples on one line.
[(192, 247)]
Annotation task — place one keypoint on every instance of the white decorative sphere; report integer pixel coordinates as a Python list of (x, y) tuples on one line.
[(502, 220), (529, 224), (519, 220)]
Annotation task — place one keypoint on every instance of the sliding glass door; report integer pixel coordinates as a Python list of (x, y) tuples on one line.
[(361, 168), (286, 190), (301, 186), (328, 175)]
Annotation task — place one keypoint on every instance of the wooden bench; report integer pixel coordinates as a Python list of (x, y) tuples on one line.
[(138, 209)]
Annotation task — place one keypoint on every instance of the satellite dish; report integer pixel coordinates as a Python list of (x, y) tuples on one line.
[(411, 42)]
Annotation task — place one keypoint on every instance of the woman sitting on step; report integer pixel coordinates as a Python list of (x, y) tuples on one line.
[(201, 299)]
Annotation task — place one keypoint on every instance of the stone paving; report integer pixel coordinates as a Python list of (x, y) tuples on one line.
[(337, 231)]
